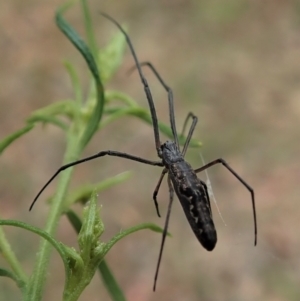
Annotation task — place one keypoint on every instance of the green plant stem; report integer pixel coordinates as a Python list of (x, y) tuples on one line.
[(80, 286), (37, 281), (11, 258)]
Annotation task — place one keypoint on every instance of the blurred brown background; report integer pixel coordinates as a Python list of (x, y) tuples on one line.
[(236, 65)]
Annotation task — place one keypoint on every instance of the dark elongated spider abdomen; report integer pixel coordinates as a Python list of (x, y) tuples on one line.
[(192, 194), (199, 216)]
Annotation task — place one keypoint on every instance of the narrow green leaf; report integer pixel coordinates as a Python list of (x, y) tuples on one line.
[(75, 39), (48, 119), (83, 193), (74, 220), (126, 232), (65, 108), (57, 245), (72, 261), (5, 273), (4, 143), (89, 27), (110, 282), (122, 97), (10, 257)]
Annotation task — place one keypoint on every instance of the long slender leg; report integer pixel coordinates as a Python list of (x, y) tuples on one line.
[(170, 99), (98, 155), (155, 192), (144, 82), (250, 189), (189, 115), (171, 110), (171, 190), (191, 131)]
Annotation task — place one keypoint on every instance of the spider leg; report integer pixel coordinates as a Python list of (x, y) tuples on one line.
[(155, 192), (165, 231), (248, 187), (98, 155), (191, 131), (170, 99), (144, 82)]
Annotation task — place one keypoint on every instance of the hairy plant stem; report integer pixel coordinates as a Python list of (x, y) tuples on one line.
[(38, 278)]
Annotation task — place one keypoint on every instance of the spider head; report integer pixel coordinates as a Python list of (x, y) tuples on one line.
[(170, 153)]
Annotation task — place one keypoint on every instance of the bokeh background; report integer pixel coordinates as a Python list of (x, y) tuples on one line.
[(236, 65)]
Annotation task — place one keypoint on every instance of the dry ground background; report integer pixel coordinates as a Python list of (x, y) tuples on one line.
[(235, 64)]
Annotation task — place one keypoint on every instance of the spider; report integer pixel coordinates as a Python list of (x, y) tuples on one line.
[(181, 177)]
